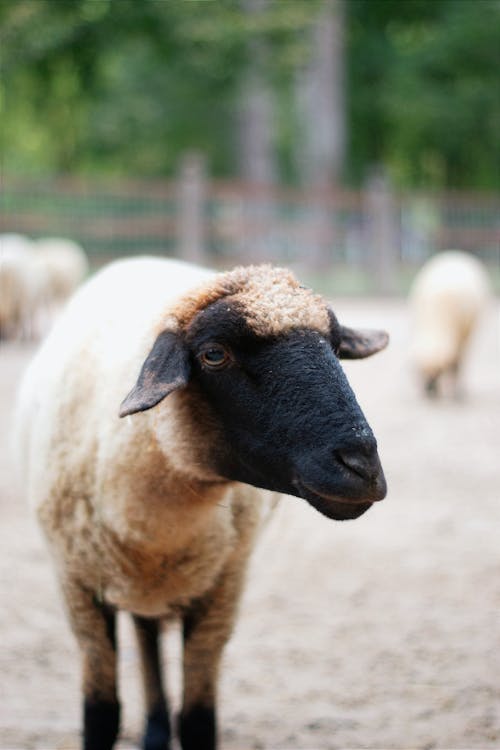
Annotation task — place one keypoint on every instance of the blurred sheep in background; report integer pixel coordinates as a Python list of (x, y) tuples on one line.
[(61, 266), (19, 287), (447, 297), (36, 278), (65, 266)]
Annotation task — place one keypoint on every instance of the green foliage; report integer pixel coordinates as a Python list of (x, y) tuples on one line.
[(427, 77), (124, 86)]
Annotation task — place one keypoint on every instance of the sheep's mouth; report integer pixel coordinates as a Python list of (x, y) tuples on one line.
[(337, 508)]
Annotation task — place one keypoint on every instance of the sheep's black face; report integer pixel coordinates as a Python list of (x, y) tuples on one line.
[(288, 418)]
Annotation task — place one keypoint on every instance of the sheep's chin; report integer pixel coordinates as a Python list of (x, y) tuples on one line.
[(338, 510)]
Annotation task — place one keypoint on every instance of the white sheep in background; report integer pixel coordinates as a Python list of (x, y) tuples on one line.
[(238, 386), (36, 278), (64, 265), (447, 298), (20, 288)]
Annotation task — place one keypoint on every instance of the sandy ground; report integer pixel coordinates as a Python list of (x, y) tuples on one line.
[(378, 633)]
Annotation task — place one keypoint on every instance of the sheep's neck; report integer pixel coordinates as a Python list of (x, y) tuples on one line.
[(155, 506)]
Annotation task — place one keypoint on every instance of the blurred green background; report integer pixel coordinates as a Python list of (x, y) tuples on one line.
[(315, 96)]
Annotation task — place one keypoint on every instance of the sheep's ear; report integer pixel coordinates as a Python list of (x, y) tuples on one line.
[(165, 369), (360, 343)]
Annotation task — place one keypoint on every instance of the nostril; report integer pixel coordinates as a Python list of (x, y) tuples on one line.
[(367, 465)]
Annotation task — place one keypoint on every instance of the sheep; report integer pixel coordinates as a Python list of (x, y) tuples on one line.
[(63, 265), (447, 298), (36, 277), (20, 287), (231, 393)]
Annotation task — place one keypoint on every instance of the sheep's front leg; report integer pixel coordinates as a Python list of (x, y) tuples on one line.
[(93, 624), (207, 626), (157, 732)]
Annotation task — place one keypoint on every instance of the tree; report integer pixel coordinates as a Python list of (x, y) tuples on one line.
[(125, 86), (424, 83), (321, 99)]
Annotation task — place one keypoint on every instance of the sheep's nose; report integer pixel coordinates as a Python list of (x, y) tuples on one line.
[(362, 461)]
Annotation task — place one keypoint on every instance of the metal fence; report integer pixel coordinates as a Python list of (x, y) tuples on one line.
[(374, 231)]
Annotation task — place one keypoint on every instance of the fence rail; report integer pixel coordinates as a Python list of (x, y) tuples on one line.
[(219, 222)]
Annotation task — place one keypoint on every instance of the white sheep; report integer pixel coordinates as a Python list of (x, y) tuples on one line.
[(64, 265), (20, 287), (238, 386), (447, 298)]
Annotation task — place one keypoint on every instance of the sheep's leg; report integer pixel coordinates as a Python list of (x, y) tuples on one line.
[(431, 386), (157, 732), (94, 625), (457, 391), (206, 628)]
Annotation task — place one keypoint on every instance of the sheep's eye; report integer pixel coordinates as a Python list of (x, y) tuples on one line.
[(215, 357)]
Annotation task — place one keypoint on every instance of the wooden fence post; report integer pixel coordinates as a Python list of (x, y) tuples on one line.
[(192, 193), (383, 233)]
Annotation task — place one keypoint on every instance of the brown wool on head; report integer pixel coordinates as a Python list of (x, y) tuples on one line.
[(272, 300)]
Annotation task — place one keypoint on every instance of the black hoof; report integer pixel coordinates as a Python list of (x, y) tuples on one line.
[(197, 730), (101, 720), (157, 735)]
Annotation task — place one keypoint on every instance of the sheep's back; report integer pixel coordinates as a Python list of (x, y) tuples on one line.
[(91, 358), (64, 265), (19, 282)]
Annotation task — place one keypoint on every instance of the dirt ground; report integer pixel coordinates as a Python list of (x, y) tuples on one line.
[(381, 633)]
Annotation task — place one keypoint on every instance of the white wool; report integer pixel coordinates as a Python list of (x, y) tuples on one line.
[(63, 264), (109, 336), (447, 298), (20, 286)]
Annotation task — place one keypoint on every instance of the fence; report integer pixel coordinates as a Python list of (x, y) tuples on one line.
[(372, 233)]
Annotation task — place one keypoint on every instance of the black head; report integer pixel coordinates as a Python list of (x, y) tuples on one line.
[(286, 418)]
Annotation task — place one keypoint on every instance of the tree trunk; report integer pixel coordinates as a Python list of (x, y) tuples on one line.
[(321, 94), (256, 126)]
